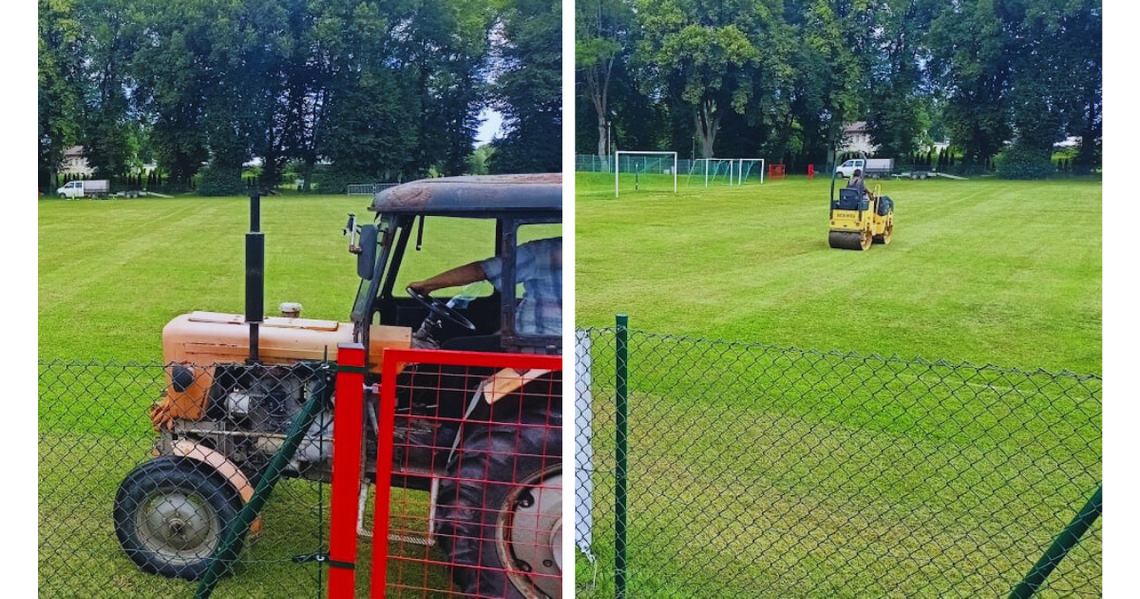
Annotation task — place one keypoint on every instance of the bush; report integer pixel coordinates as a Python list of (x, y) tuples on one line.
[(336, 181), (221, 181), (1021, 162)]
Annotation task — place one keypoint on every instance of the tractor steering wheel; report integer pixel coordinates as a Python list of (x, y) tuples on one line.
[(441, 309)]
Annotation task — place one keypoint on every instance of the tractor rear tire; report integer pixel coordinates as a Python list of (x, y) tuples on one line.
[(171, 515), (481, 489)]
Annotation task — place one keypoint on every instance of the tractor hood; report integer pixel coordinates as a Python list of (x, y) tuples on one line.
[(208, 338)]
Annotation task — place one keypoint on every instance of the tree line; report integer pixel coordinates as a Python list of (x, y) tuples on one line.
[(340, 91), (1002, 80)]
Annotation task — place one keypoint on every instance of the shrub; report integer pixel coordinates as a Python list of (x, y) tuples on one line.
[(1021, 162), (221, 181)]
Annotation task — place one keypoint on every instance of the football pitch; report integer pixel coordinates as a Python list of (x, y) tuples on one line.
[(989, 271)]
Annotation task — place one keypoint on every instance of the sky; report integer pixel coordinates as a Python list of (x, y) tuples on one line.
[(492, 122)]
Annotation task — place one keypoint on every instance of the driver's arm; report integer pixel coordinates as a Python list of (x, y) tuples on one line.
[(456, 277)]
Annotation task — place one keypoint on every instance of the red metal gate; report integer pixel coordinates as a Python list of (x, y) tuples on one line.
[(471, 445)]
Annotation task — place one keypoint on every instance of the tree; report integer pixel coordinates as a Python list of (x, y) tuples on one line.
[(528, 88), (897, 113), (968, 56), (709, 52), (59, 86), (601, 40)]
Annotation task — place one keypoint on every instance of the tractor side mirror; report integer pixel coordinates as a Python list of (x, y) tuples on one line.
[(366, 258)]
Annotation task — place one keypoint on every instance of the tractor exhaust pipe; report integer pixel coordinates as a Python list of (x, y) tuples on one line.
[(254, 275)]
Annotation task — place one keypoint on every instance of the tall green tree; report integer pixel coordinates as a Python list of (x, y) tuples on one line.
[(59, 86), (528, 88), (710, 52), (602, 38)]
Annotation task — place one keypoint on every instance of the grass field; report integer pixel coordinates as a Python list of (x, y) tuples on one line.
[(111, 275), (831, 475), (983, 270)]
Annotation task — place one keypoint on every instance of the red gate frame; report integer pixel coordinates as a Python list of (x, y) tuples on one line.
[(348, 433)]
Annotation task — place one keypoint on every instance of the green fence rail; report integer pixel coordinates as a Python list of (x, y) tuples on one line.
[(737, 469)]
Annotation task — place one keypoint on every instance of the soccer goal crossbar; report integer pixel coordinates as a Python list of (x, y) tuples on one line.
[(617, 166)]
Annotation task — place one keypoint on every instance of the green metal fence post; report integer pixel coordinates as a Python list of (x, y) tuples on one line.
[(622, 421), (1060, 547)]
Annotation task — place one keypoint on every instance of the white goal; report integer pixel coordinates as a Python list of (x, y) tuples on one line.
[(747, 168), (713, 169), (648, 170)]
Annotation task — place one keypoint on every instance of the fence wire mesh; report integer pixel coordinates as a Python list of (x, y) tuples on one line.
[(134, 497), (756, 470), (477, 450)]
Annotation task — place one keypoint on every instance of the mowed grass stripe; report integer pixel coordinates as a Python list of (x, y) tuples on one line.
[(113, 273), (982, 270)]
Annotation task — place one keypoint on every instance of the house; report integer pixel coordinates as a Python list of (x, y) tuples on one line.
[(75, 162), (857, 139)]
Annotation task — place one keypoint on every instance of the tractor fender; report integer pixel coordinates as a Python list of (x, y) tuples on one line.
[(220, 463)]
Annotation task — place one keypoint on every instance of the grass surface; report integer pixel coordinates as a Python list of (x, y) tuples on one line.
[(756, 470), (113, 273), (983, 270)]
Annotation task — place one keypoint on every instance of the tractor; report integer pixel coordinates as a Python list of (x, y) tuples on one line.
[(859, 217), (237, 387)]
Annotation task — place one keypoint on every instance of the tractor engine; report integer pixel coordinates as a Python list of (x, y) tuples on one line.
[(249, 411)]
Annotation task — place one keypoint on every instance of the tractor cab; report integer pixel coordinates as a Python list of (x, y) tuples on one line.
[(518, 208)]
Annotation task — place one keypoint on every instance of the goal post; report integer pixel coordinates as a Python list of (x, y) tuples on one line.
[(751, 164), (663, 159)]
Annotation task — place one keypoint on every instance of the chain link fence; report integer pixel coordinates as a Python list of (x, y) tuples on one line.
[(751, 470), (125, 510)]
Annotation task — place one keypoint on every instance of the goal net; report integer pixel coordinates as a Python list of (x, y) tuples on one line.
[(749, 170), (645, 171), (712, 171)]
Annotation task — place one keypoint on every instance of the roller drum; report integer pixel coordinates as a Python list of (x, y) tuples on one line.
[(847, 240)]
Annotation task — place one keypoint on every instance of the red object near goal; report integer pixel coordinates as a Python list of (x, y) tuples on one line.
[(468, 491), (775, 171), (811, 172)]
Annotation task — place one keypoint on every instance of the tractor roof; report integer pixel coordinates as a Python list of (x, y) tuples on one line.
[(484, 196)]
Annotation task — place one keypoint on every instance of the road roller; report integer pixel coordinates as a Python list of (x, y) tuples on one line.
[(859, 217)]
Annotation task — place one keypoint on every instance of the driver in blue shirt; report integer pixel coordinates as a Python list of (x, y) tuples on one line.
[(538, 266)]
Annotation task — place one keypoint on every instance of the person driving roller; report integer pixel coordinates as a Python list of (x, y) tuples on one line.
[(538, 267)]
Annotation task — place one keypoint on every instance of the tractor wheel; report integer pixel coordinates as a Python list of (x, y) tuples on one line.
[(500, 510), (885, 238), (171, 515)]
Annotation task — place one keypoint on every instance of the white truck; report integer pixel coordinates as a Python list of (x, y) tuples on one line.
[(95, 188), (871, 167)]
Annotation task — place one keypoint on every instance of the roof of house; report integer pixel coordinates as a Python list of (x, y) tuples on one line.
[(856, 127)]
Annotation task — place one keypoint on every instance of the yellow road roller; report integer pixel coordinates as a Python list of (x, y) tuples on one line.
[(859, 217)]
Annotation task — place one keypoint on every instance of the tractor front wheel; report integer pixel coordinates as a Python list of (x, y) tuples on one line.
[(171, 515), (500, 509)]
